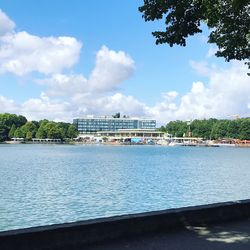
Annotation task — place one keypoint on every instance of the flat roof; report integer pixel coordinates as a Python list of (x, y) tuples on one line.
[(112, 118)]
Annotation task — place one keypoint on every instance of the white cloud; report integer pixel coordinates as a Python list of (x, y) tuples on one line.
[(22, 53), (107, 105), (227, 93), (111, 69), (61, 85), (7, 105), (6, 24), (200, 67), (44, 107)]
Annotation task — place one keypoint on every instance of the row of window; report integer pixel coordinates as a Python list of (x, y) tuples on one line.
[(105, 125)]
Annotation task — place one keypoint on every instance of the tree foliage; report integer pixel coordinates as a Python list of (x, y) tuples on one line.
[(72, 131), (12, 131), (117, 115), (228, 20), (12, 125), (211, 128)]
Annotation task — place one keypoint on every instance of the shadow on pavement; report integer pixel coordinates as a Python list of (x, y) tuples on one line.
[(233, 235)]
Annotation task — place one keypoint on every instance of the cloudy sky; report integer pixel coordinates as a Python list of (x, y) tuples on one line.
[(62, 59)]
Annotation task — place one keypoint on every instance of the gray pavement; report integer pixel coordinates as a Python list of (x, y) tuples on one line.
[(232, 235)]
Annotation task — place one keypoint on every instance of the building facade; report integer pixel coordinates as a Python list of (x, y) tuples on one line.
[(96, 124)]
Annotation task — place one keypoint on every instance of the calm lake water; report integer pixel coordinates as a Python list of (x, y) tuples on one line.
[(47, 184)]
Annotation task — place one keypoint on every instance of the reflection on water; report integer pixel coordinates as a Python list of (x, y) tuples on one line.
[(46, 184)]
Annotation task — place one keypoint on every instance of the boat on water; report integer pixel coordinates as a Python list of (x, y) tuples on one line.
[(173, 143), (223, 145)]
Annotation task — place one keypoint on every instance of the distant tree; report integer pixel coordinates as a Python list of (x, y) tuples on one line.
[(117, 115), (36, 123), (219, 129), (12, 131), (54, 131), (228, 20), (162, 129), (64, 126), (3, 132), (233, 129), (72, 131), (41, 133), (10, 119), (177, 128), (18, 133), (29, 127), (43, 122), (29, 136), (20, 120), (202, 128), (244, 130)]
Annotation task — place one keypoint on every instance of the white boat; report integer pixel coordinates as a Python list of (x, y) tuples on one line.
[(224, 144), (172, 144)]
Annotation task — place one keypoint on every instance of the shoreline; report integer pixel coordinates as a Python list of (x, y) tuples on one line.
[(121, 144)]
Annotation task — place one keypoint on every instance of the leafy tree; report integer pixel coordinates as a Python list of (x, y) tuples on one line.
[(36, 123), (12, 125), (9, 119), (29, 136), (117, 115), (177, 128), (64, 126), (29, 127), (18, 133), (3, 132), (43, 122), (202, 128), (162, 129), (54, 131), (12, 131), (20, 120), (41, 133), (244, 131), (233, 129), (219, 130), (72, 131), (211, 128), (228, 20)]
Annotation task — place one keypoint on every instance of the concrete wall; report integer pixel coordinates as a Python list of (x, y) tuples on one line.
[(74, 235)]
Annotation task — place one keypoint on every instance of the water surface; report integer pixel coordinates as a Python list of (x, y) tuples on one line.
[(47, 184)]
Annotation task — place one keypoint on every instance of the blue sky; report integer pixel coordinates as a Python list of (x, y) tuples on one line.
[(111, 64)]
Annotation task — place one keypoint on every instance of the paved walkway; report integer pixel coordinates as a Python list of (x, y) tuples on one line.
[(229, 236)]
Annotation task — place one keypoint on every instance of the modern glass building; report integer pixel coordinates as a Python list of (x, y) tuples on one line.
[(95, 124)]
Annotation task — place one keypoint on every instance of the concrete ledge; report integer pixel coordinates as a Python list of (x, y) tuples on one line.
[(77, 234)]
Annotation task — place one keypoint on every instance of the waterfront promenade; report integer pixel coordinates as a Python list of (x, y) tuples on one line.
[(229, 235), (215, 226)]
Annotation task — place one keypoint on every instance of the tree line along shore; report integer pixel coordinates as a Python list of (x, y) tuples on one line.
[(17, 126), (210, 129)]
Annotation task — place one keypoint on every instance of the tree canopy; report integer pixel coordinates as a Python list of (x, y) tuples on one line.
[(12, 125), (228, 20), (211, 128)]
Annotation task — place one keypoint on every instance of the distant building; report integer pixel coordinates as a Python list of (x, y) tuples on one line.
[(95, 124), (133, 133)]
